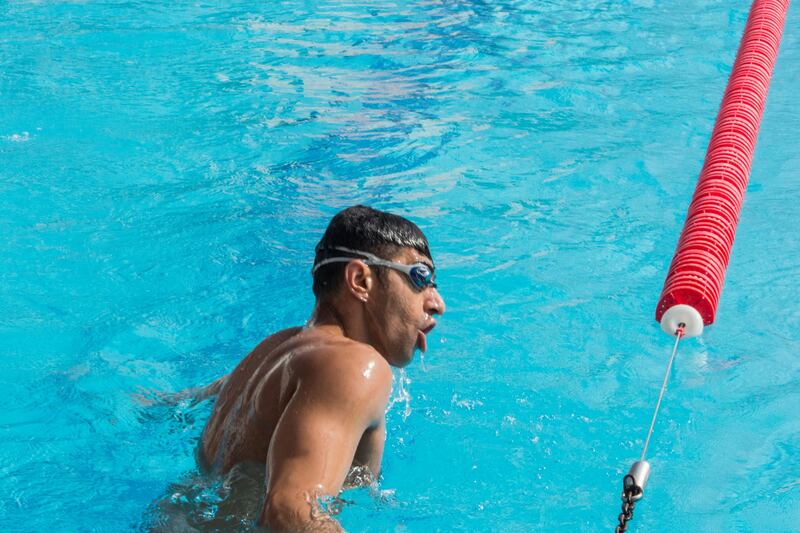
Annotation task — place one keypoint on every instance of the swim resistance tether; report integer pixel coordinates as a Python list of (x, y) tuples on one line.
[(694, 281)]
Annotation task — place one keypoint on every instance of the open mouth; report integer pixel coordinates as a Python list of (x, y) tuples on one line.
[(422, 337)]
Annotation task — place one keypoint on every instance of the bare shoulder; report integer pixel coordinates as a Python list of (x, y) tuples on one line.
[(345, 368), (345, 359), (276, 339), (251, 368)]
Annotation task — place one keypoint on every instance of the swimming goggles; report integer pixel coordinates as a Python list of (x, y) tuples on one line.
[(420, 274)]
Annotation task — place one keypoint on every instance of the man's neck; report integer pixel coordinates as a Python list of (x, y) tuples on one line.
[(345, 323)]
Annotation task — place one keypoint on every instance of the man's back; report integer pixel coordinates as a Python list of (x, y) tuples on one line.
[(250, 403)]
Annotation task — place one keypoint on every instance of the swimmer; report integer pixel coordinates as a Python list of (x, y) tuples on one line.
[(309, 402)]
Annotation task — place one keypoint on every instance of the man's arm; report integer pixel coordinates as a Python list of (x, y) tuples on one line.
[(199, 394), (368, 457), (339, 397), (195, 394)]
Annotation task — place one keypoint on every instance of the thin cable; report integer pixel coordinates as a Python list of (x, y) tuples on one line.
[(679, 333)]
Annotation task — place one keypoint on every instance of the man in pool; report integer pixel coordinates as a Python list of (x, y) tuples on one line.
[(310, 401)]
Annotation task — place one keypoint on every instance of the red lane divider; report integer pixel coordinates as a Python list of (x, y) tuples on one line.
[(694, 281)]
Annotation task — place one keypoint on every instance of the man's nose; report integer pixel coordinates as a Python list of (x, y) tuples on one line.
[(434, 304)]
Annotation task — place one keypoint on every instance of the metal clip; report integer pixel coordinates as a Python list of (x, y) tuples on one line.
[(634, 483)]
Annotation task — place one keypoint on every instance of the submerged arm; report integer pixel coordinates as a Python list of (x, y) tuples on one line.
[(195, 394), (212, 389)]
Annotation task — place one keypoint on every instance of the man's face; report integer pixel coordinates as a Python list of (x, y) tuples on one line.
[(402, 314)]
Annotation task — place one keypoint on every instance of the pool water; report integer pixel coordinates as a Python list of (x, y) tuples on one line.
[(166, 169)]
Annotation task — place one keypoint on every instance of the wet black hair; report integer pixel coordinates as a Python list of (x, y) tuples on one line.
[(368, 230)]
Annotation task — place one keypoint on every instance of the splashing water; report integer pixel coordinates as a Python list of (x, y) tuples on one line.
[(400, 384), (208, 502)]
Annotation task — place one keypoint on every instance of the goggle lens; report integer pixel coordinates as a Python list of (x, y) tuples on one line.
[(422, 276)]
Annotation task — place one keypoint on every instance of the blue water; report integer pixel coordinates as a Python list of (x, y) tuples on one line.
[(166, 169)]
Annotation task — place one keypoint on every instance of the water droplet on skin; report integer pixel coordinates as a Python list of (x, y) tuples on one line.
[(369, 369)]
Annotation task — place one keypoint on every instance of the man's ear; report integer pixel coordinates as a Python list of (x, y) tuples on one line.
[(358, 279)]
